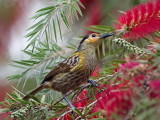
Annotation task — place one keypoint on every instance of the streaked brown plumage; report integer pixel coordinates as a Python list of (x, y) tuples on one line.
[(75, 69)]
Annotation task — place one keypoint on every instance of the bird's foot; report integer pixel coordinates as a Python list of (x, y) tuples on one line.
[(94, 83), (69, 103)]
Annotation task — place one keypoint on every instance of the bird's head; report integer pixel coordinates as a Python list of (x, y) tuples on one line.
[(92, 40)]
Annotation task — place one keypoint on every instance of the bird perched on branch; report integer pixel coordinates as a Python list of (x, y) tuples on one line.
[(75, 69)]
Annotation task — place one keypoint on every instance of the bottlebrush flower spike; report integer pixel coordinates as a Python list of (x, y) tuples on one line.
[(155, 89), (140, 21), (128, 46), (81, 96), (113, 101)]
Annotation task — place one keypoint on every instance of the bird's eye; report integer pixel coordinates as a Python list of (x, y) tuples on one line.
[(93, 35)]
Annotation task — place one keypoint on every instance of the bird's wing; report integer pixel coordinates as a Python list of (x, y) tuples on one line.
[(63, 67)]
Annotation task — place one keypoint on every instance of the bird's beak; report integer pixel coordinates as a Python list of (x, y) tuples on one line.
[(106, 35)]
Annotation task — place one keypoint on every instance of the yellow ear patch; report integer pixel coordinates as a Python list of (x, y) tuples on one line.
[(92, 40)]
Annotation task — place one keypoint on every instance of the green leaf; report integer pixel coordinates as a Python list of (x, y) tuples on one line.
[(77, 8), (14, 97), (99, 119), (80, 3), (93, 114), (4, 110), (23, 63), (63, 15), (59, 27), (79, 112), (103, 28), (40, 14), (2, 103), (94, 30), (35, 98), (103, 48), (46, 8), (18, 66), (54, 28), (14, 77), (40, 23), (30, 61), (28, 52), (32, 43)]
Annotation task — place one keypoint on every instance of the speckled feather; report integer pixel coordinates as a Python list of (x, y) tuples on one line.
[(72, 72)]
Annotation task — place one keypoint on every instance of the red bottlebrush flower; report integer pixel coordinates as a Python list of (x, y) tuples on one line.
[(140, 21), (81, 96), (131, 69), (114, 100), (139, 80), (134, 76), (91, 13), (3, 116), (155, 89), (127, 65)]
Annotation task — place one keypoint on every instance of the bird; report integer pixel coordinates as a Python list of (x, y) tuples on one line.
[(74, 70)]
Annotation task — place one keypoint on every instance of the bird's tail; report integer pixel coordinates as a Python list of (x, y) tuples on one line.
[(33, 92)]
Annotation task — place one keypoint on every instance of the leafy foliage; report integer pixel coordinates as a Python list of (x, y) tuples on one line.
[(128, 82), (50, 18), (42, 49)]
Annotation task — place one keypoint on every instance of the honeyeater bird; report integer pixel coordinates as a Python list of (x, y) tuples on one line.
[(75, 69)]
